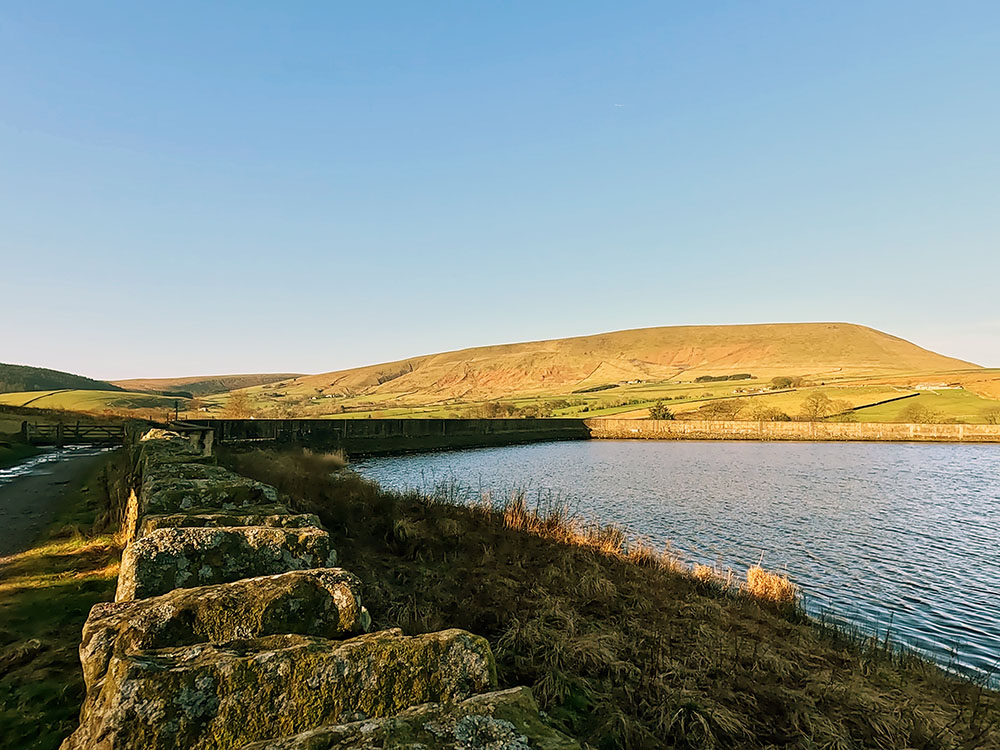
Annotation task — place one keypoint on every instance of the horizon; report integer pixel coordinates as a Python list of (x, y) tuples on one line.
[(199, 189)]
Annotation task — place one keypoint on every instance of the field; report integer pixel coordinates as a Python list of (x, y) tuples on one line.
[(953, 404), (682, 398), (90, 401)]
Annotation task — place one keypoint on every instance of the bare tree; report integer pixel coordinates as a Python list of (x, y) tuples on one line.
[(919, 414), (723, 408), (239, 406), (816, 406)]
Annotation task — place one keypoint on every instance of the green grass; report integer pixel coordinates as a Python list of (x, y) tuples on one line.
[(46, 593), (89, 401), (958, 404), (13, 453)]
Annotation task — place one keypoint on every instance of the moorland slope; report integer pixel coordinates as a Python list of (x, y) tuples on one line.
[(203, 385), (647, 354), (24, 378)]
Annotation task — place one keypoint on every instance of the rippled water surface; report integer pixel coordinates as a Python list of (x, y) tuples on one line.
[(882, 535)]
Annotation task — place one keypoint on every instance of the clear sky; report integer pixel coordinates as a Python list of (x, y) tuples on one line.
[(193, 188)]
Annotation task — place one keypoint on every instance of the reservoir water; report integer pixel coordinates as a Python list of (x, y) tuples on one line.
[(902, 537)]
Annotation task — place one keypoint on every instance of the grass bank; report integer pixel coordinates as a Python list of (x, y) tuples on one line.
[(46, 593), (622, 647), (13, 452)]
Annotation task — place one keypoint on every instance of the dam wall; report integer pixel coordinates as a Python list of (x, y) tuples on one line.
[(678, 429), (388, 436)]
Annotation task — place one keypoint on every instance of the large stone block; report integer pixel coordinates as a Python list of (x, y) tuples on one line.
[(323, 602), (277, 516), (181, 487), (157, 446), (171, 495), (504, 720), (211, 697), (166, 559)]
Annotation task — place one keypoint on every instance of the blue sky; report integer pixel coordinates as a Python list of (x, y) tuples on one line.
[(239, 187)]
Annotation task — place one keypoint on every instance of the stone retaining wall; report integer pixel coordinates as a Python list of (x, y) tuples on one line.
[(682, 429), (231, 628)]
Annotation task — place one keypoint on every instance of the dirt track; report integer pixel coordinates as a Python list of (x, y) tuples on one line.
[(28, 502)]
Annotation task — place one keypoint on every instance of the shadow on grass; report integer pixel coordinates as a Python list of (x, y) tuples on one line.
[(46, 593)]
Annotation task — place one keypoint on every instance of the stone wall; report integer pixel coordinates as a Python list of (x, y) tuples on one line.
[(231, 628), (680, 429), (384, 436)]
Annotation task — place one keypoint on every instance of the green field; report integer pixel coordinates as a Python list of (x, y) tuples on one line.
[(958, 404), (633, 401), (89, 401)]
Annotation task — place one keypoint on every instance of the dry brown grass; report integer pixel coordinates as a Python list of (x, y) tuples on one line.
[(770, 587), (622, 649)]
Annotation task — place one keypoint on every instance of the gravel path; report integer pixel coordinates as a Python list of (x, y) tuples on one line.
[(30, 493)]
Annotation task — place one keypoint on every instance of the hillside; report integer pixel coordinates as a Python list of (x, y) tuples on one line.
[(203, 385), (14, 378), (561, 366)]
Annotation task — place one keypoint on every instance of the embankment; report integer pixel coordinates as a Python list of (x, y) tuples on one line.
[(231, 628), (360, 437), (619, 646), (652, 429)]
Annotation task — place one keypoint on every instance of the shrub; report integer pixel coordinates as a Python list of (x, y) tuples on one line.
[(725, 409), (659, 410), (917, 413), (765, 413)]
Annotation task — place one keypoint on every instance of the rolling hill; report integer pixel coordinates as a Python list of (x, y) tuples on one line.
[(562, 366), (203, 385), (14, 378)]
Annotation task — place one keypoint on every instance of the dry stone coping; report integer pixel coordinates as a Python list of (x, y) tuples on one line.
[(324, 602), (206, 697), (502, 720), (174, 471), (170, 558), (275, 515), (158, 446), (230, 627), (183, 494)]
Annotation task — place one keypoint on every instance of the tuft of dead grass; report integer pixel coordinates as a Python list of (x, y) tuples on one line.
[(771, 587)]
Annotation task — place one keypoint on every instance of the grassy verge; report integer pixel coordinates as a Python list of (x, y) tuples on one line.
[(623, 648), (46, 593), (12, 453)]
